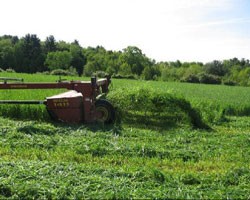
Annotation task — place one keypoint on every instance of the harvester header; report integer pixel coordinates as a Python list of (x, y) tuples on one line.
[(80, 104)]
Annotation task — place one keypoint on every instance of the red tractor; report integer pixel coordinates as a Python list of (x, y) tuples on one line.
[(81, 104)]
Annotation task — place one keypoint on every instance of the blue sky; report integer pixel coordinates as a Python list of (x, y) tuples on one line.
[(165, 30)]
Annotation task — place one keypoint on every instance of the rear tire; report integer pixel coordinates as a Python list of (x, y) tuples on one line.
[(107, 110)]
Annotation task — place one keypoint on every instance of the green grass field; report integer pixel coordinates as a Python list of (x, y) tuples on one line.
[(42, 159)]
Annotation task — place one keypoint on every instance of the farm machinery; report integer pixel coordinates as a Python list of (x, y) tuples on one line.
[(82, 103)]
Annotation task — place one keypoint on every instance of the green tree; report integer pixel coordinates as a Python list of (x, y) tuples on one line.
[(63, 46), (125, 69), (151, 73), (97, 57), (58, 60), (50, 44), (90, 68), (135, 59), (193, 69), (7, 59), (33, 59), (169, 74), (176, 64), (112, 62), (215, 68), (244, 77), (78, 60)]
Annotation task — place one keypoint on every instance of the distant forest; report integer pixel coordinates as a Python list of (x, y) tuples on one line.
[(31, 55)]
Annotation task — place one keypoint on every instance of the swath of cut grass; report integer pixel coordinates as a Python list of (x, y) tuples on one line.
[(154, 108)]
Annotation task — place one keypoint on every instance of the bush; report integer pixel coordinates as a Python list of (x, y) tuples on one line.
[(10, 70), (192, 78), (46, 73), (1, 70), (62, 72), (229, 82), (100, 74), (43, 73), (209, 79), (119, 76), (150, 73)]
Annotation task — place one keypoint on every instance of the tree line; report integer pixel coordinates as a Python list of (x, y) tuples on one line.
[(31, 55)]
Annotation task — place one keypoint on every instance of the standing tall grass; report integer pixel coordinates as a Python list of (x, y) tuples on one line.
[(29, 112)]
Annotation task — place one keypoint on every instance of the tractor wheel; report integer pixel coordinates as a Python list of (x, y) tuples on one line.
[(107, 110)]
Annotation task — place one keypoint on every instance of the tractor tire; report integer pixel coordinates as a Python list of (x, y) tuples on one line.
[(108, 111)]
